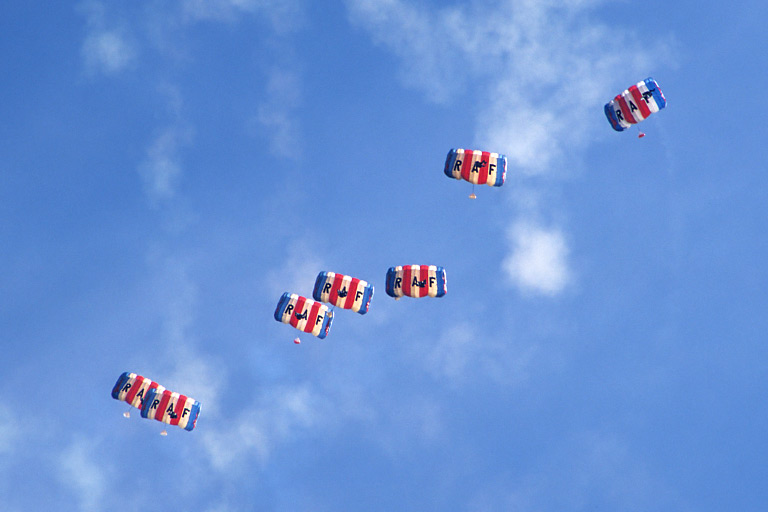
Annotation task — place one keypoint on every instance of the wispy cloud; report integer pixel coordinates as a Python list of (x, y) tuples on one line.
[(107, 47), (589, 470), (297, 271), (284, 15), (276, 112), (465, 353), (538, 261), (200, 376), (79, 470), (108, 51), (275, 416), (9, 431), (184, 368), (534, 69), (175, 295), (111, 45), (420, 37), (161, 170)]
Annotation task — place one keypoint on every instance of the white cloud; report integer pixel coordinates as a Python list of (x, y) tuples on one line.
[(410, 419), (192, 373), (79, 470), (278, 413), (9, 431), (107, 47), (175, 296), (298, 270), (161, 169), (281, 129), (276, 112), (453, 351), (581, 471), (536, 71), (283, 14), (198, 376), (464, 353), (108, 52), (419, 37), (538, 262), (111, 45)]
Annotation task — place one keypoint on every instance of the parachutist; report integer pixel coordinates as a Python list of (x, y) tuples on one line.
[(126, 414), (472, 196), (164, 433), (297, 341)]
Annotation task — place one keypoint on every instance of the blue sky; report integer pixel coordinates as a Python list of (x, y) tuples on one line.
[(169, 169)]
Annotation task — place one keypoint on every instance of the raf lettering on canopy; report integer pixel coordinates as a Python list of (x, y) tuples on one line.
[(478, 165), (648, 94)]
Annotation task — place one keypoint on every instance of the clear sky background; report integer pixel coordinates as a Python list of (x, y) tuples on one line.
[(169, 169)]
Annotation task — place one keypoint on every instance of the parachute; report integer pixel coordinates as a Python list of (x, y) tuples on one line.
[(342, 291), (635, 104), (304, 314), (476, 167), (133, 389), (148, 396), (171, 408), (416, 281)]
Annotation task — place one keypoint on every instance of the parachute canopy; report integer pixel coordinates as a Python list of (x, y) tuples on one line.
[(343, 291), (304, 314), (416, 281), (171, 408), (133, 389), (635, 104), (476, 167)]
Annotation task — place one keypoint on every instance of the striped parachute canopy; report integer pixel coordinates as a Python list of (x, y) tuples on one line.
[(476, 167), (133, 389), (416, 281), (304, 314), (635, 104), (171, 408), (342, 291)]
